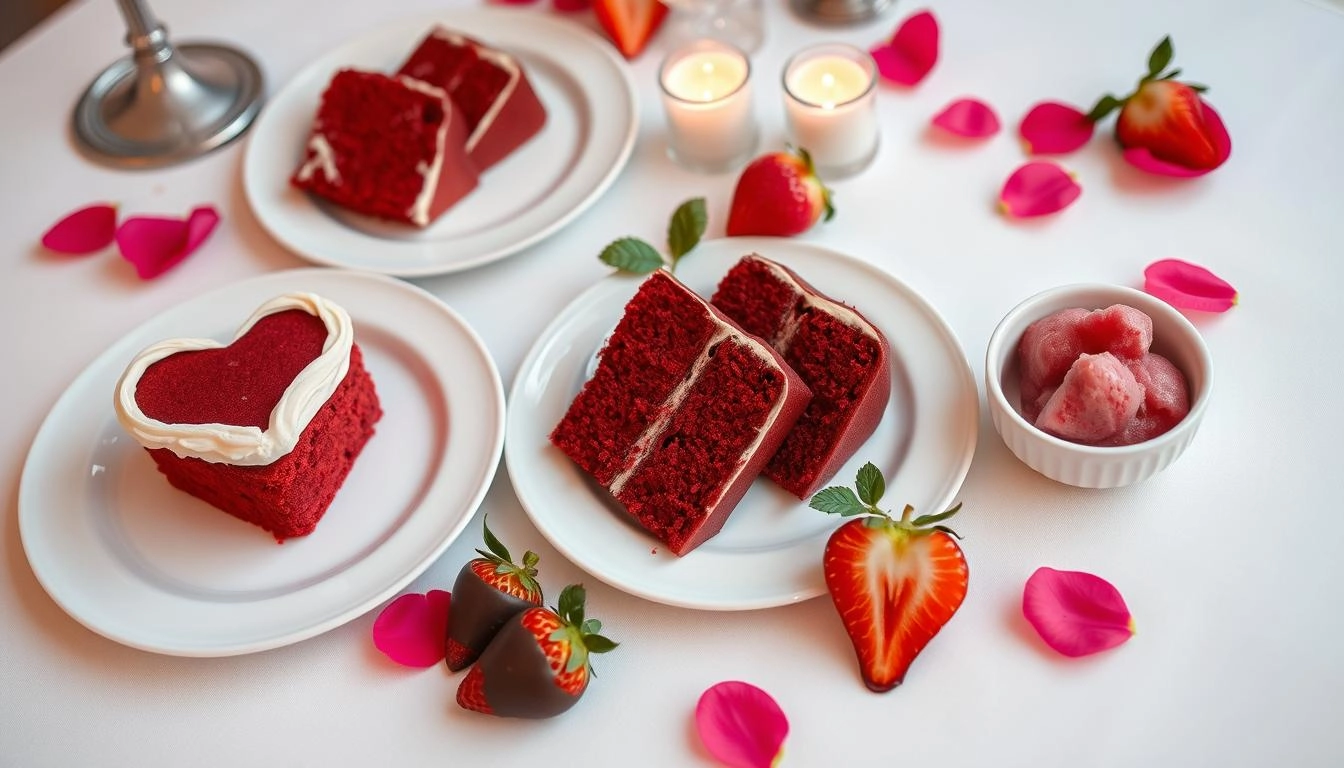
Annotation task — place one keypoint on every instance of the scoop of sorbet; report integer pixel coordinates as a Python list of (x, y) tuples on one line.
[(1097, 398)]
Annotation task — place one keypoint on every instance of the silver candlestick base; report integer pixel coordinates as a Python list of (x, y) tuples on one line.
[(841, 11), (165, 104)]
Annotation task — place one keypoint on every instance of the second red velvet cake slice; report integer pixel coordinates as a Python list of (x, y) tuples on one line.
[(841, 356), (681, 414)]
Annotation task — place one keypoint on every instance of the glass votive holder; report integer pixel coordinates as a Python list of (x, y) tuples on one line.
[(830, 105), (706, 89), (739, 22)]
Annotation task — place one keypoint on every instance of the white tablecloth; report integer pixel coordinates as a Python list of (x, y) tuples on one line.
[(1229, 560)]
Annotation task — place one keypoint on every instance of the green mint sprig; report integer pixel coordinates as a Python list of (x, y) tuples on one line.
[(632, 255)]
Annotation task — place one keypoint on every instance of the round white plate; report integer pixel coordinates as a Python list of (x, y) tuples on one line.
[(591, 122), (151, 567), (769, 551)]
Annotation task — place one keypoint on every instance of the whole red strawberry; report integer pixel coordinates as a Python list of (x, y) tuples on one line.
[(488, 591), (630, 23), (538, 665), (894, 582), (778, 194), (1164, 125)]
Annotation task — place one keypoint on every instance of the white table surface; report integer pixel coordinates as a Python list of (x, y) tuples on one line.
[(1229, 560)]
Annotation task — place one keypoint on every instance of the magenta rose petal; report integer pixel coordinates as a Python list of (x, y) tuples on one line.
[(1188, 286), (741, 725), (155, 244), (1141, 158), (411, 629), (971, 118), (1052, 128), (1076, 613), (911, 53), (1037, 189), (87, 230)]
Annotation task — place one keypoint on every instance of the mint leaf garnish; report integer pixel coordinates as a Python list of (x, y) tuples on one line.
[(630, 254), (870, 484), (686, 228), (838, 500)]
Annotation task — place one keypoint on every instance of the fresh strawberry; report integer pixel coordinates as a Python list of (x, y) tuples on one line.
[(1167, 118), (778, 194), (538, 665), (630, 23), (489, 590), (894, 582)]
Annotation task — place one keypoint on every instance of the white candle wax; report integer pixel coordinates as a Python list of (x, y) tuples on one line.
[(707, 96), (831, 107)]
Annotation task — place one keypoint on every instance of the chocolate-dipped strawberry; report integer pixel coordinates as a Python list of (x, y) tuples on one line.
[(488, 592), (538, 665)]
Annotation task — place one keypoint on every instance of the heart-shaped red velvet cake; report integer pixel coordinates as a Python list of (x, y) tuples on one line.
[(266, 428)]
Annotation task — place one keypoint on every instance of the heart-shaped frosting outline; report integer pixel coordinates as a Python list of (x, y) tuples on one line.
[(249, 445)]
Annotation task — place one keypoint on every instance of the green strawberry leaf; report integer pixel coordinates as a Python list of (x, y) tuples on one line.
[(686, 228), (571, 604), (1197, 87), (1159, 58), (630, 254), (925, 520), (530, 559), (1104, 106), (1171, 75), (493, 544), (948, 531), (838, 500), (591, 627), (871, 485), (599, 644)]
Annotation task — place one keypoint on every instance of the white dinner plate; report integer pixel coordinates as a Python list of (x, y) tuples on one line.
[(769, 551), (151, 567), (591, 123)]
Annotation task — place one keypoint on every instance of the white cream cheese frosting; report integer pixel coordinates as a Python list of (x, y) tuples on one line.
[(245, 445)]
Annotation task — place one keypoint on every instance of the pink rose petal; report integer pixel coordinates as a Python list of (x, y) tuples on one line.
[(412, 628), (971, 118), (741, 725), (1188, 286), (1051, 128), (84, 231), (155, 244), (1036, 189), (1076, 613), (1141, 158), (911, 52)]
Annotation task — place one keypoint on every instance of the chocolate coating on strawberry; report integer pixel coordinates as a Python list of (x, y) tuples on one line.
[(488, 591), (537, 666)]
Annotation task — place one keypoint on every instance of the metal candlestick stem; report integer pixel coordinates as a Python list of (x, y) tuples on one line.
[(841, 11), (164, 104)]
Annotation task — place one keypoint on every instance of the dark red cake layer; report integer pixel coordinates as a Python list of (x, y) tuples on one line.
[(699, 455), (480, 80), (289, 496), (383, 138), (845, 367), (238, 384)]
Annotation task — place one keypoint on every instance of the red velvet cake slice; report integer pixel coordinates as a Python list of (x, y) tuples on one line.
[(683, 411), (488, 85), (391, 147), (266, 428), (841, 356)]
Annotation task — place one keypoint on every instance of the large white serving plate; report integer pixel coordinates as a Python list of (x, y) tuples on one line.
[(769, 551), (154, 568), (591, 123)]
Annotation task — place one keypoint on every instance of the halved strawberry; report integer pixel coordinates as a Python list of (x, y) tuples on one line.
[(488, 591), (538, 665), (630, 23), (894, 582)]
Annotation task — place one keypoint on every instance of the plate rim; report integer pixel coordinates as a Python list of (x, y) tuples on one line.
[(413, 26), (31, 480), (513, 446)]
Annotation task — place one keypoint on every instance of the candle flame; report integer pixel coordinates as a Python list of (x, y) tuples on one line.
[(827, 80)]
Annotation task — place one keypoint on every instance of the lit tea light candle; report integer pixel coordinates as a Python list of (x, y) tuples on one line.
[(830, 103), (707, 96)]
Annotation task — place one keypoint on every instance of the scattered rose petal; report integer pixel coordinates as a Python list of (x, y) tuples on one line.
[(911, 52), (1141, 158), (570, 6), (84, 231), (155, 244), (971, 118), (1051, 128), (1036, 189), (741, 725), (411, 629), (1188, 286), (1076, 613)]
